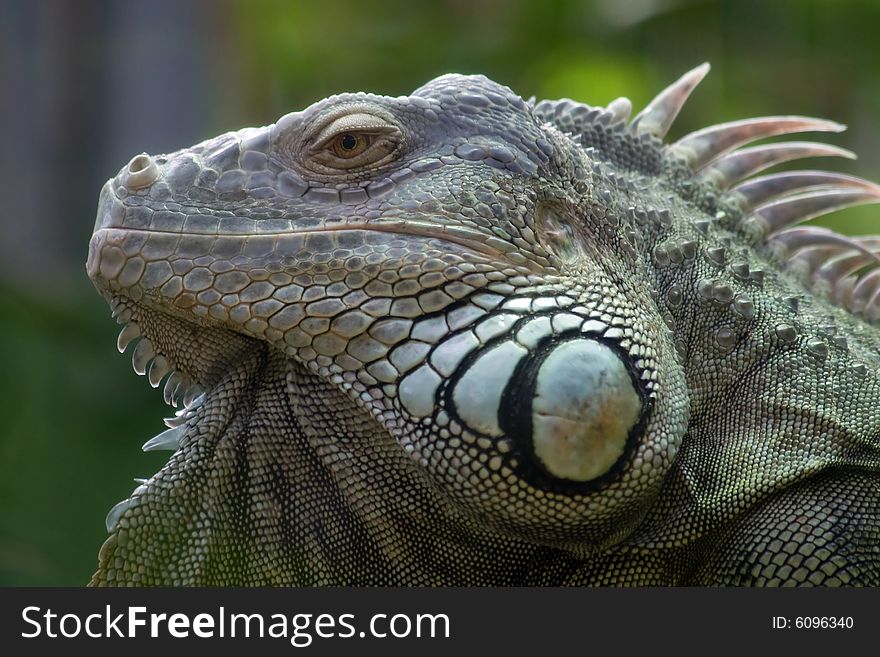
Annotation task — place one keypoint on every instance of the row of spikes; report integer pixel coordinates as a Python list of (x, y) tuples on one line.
[(847, 268), (178, 389)]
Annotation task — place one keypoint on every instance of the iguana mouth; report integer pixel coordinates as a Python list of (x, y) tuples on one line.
[(115, 214), (473, 240), (469, 238)]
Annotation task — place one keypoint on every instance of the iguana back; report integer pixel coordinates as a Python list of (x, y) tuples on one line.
[(458, 338)]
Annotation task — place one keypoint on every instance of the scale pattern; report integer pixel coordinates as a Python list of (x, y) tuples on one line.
[(459, 338)]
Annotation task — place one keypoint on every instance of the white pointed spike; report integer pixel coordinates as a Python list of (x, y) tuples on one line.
[(808, 237), (193, 398), (116, 513), (836, 269), (158, 368), (658, 116), (864, 291), (141, 356), (746, 162), (703, 146), (126, 335), (122, 315), (170, 384), (796, 209), (842, 290), (179, 393), (808, 261), (764, 188), (167, 440), (180, 417), (620, 109), (177, 420)]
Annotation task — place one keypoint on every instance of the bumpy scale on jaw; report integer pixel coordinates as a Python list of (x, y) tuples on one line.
[(458, 338)]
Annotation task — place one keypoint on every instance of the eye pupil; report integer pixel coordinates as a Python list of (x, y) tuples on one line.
[(348, 142)]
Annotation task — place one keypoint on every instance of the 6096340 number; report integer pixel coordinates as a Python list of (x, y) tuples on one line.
[(823, 622)]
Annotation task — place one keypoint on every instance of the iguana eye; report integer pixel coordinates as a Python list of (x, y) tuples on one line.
[(349, 144), (352, 141)]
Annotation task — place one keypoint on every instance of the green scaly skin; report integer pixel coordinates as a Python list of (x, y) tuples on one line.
[(457, 338)]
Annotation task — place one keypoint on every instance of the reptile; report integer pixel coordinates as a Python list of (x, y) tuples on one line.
[(463, 338)]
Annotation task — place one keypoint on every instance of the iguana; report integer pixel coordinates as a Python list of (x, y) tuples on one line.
[(462, 338)]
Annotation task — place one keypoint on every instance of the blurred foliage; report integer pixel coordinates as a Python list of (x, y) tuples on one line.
[(74, 415), (812, 57)]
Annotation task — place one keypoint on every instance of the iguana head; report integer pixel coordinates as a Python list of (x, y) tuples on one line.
[(481, 274)]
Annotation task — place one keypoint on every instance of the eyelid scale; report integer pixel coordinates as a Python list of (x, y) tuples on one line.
[(354, 123)]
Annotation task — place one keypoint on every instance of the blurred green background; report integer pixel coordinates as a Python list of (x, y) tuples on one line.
[(86, 84)]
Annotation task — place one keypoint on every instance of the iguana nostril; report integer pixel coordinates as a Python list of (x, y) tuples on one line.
[(141, 171), (139, 163)]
